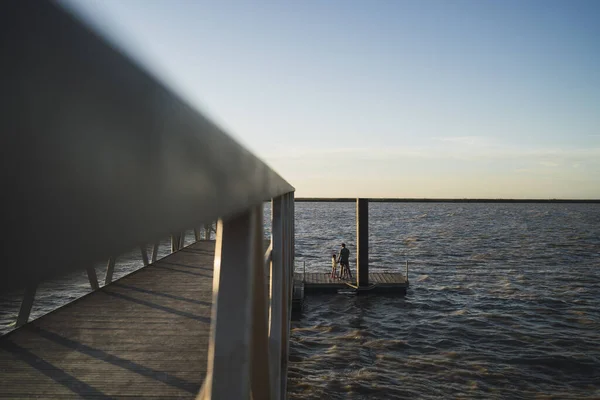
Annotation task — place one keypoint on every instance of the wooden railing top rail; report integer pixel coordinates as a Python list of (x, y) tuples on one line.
[(98, 155)]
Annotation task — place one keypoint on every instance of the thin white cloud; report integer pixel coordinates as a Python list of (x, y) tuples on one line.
[(549, 157), (465, 140), (549, 164)]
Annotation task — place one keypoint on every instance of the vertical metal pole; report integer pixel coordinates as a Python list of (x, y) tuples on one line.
[(26, 304), (110, 269), (91, 273), (362, 247), (144, 252), (406, 271)]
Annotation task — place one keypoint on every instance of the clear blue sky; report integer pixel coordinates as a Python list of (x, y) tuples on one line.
[(395, 98)]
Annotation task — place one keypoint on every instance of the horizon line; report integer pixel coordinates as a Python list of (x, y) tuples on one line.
[(438, 200)]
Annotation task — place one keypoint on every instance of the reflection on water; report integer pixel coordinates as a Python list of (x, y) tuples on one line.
[(504, 303)]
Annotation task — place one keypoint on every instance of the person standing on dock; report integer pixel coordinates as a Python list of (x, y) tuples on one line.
[(333, 266), (344, 259)]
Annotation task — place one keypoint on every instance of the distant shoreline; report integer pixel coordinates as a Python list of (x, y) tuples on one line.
[(429, 200)]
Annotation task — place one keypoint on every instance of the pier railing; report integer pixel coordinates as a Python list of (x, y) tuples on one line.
[(101, 157)]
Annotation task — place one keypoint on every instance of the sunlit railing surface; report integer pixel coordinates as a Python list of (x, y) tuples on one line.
[(100, 156)]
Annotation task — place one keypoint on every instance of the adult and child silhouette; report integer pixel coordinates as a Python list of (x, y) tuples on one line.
[(343, 259)]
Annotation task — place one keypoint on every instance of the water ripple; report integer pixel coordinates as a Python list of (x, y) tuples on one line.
[(504, 303)]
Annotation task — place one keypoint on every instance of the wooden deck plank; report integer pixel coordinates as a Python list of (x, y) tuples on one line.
[(145, 335), (388, 278), (373, 278)]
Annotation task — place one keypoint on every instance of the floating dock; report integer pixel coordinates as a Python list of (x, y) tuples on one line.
[(363, 281), (378, 282), (322, 282)]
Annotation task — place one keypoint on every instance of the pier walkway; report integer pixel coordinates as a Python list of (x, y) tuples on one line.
[(101, 157), (145, 335)]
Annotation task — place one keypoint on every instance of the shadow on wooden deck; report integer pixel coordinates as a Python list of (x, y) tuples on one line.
[(145, 336)]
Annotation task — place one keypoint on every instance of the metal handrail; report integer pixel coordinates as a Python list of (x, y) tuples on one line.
[(99, 155)]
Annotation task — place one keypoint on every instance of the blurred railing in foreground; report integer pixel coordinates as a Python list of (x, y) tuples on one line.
[(99, 157)]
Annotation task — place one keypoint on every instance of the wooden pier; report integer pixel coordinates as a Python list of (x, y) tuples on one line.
[(145, 336), (108, 158)]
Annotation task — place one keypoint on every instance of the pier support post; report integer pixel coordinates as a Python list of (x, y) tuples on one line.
[(362, 242)]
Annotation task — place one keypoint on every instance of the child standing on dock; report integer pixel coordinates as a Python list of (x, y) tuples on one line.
[(333, 267)]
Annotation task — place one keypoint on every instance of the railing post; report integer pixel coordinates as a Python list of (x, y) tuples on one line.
[(174, 242), (286, 281), (177, 241), (110, 269), (288, 286), (276, 294), (291, 245), (26, 304), (228, 368), (155, 251), (182, 240), (261, 379), (91, 273), (144, 252)]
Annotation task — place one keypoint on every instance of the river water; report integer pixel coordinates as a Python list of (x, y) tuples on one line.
[(504, 303)]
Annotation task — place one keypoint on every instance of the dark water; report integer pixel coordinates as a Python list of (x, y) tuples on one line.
[(504, 303)]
